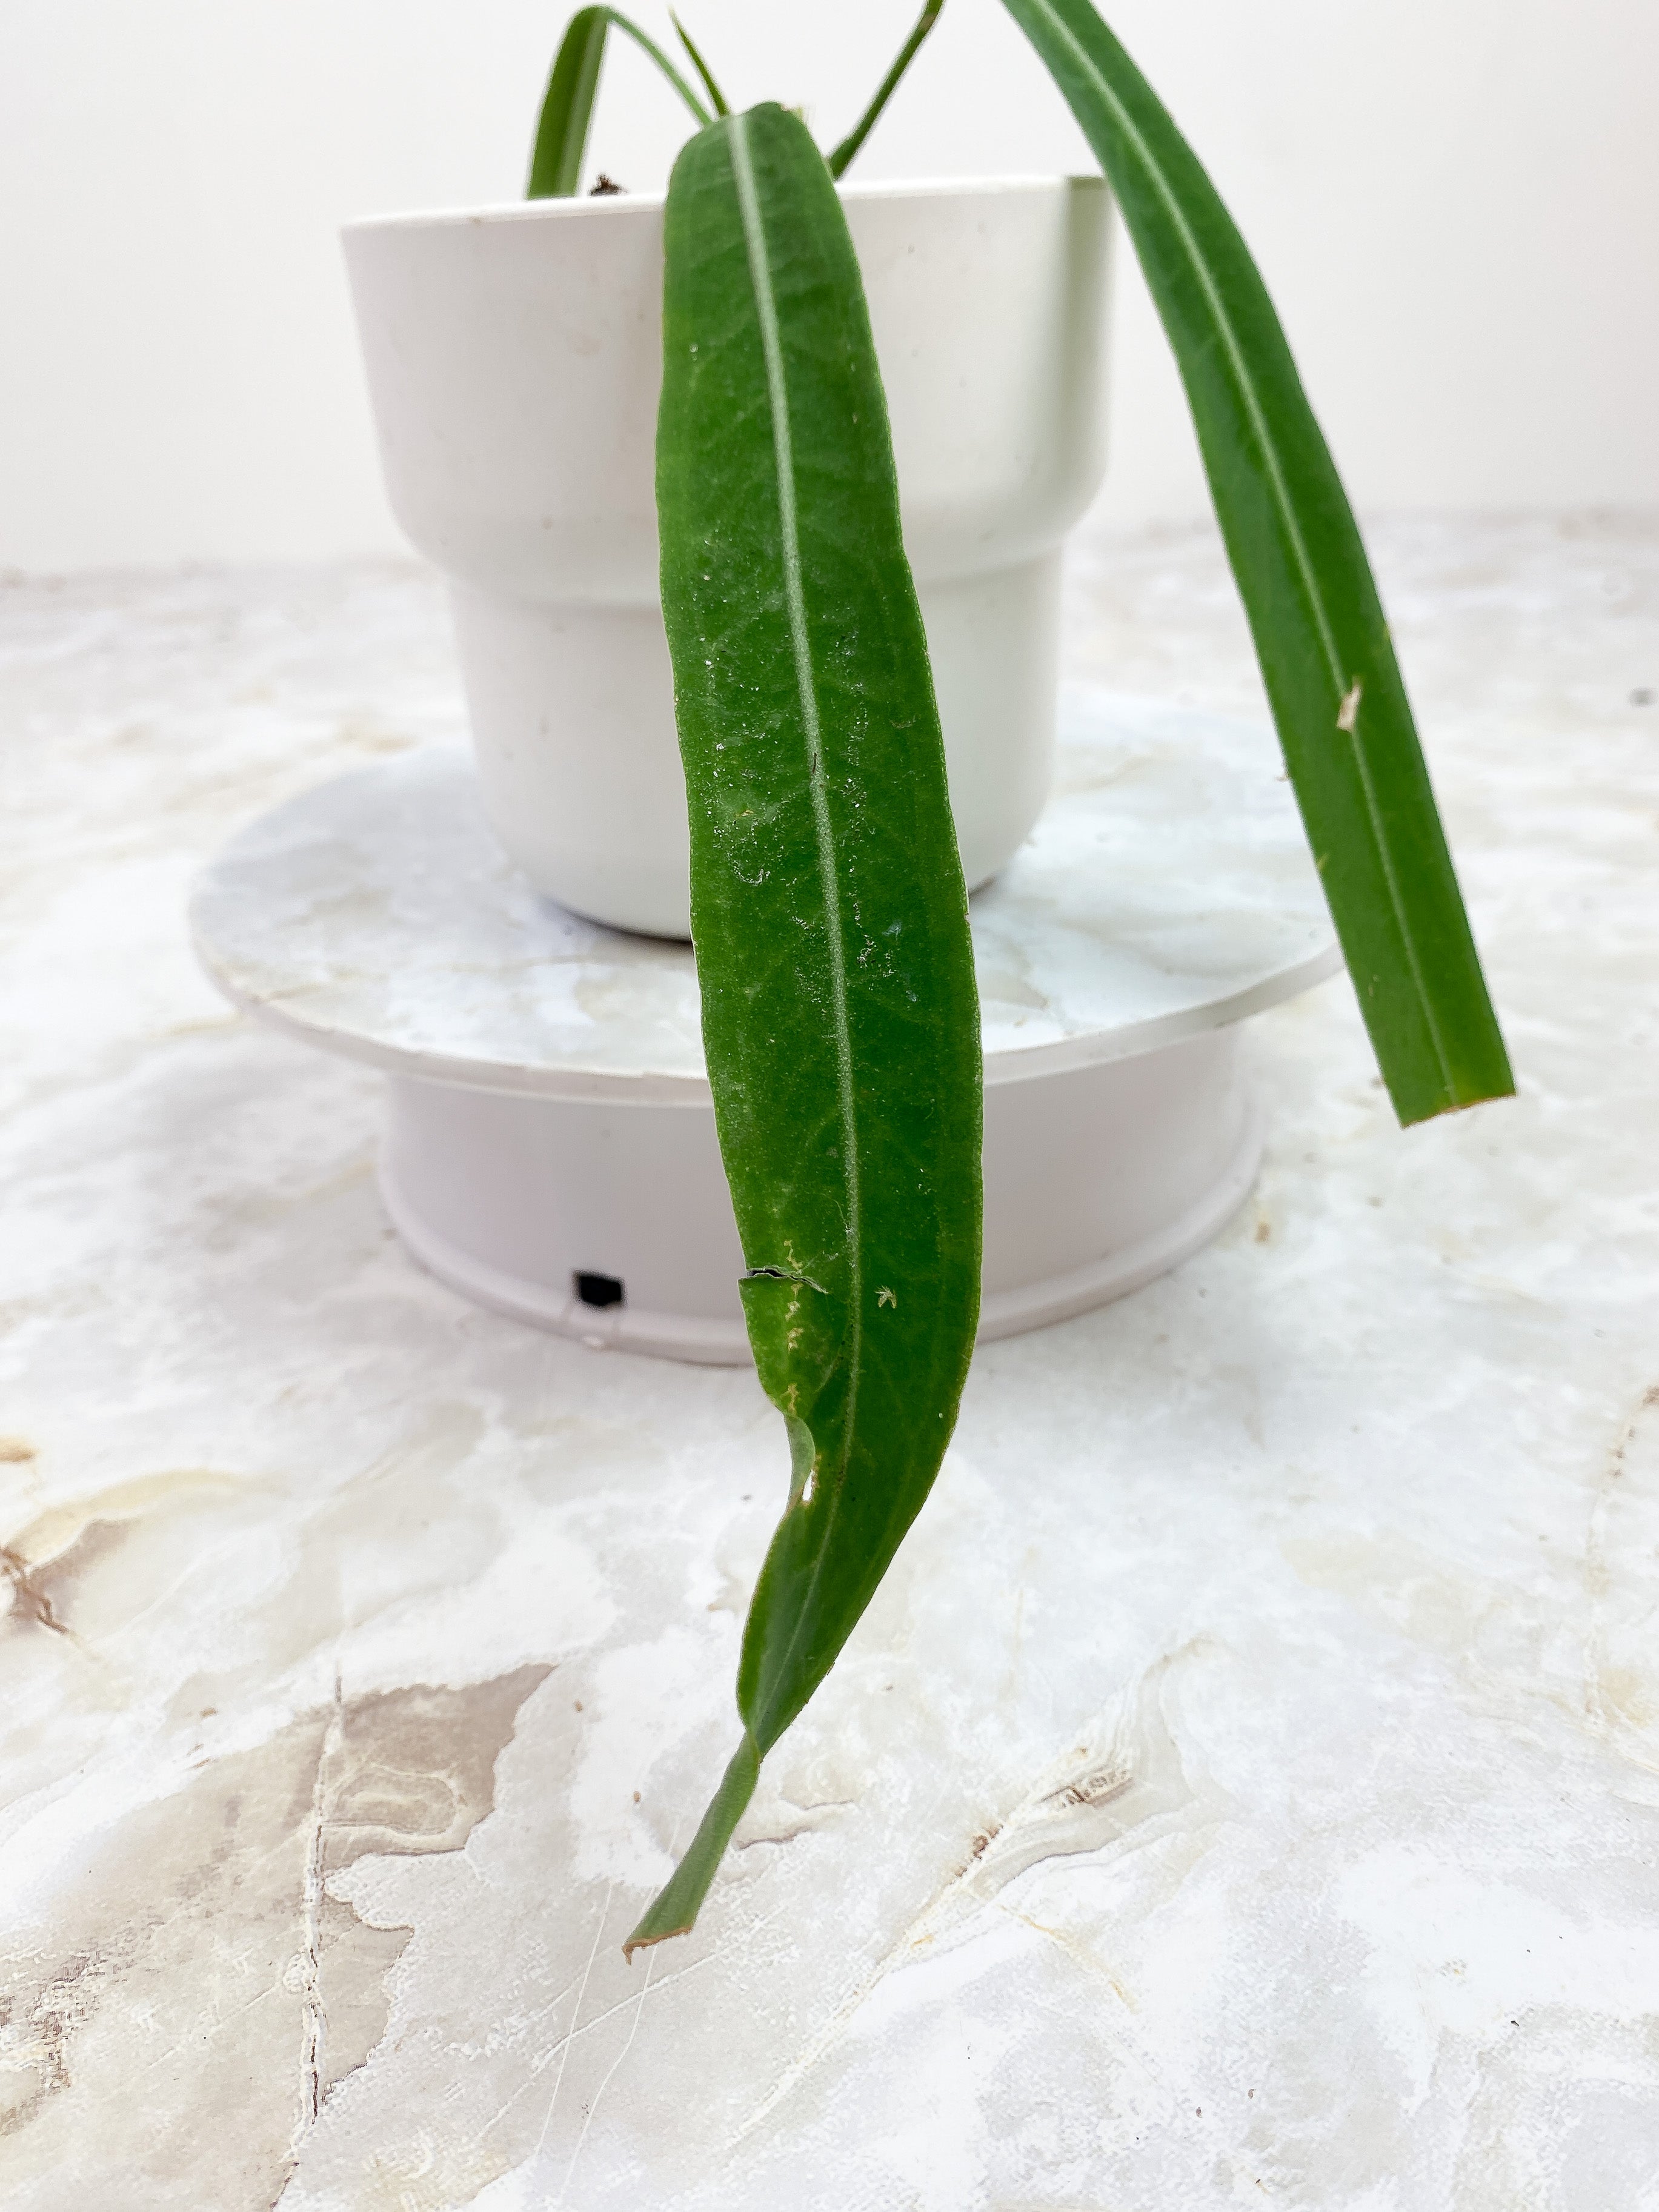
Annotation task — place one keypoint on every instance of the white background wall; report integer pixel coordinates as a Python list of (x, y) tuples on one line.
[(1455, 201)]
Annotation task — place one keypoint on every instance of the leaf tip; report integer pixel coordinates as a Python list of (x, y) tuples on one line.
[(639, 1941), (1412, 1117)]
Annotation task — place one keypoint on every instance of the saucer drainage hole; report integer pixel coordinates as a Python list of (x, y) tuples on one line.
[(599, 1290)]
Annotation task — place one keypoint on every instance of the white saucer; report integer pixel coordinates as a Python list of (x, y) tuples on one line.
[(550, 1115)]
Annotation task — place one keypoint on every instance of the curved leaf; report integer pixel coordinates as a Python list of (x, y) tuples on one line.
[(1340, 706), (721, 105), (827, 900), (555, 160)]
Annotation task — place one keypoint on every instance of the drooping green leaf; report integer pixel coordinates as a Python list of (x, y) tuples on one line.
[(828, 907), (1335, 689), (556, 161), (841, 158)]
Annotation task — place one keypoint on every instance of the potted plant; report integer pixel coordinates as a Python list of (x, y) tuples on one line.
[(515, 360), (828, 900)]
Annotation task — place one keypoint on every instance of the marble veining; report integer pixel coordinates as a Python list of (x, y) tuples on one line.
[(1245, 1789)]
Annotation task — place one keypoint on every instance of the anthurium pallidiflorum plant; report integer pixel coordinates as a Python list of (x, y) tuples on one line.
[(829, 913)]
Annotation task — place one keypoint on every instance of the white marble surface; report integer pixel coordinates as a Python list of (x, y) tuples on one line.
[(1246, 1790), (1168, 889)]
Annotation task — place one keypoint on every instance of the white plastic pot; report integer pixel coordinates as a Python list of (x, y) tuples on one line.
[(513, 358)]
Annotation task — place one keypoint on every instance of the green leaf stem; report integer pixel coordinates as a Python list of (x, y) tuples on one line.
[(842, 155), (556, 161), (828, 907), (722, 105), (1344, 721)]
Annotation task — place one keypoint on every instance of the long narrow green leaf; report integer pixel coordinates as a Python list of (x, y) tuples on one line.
[(841, 158), (1335, 687), (555, 160), (827, 900), (722, 105)]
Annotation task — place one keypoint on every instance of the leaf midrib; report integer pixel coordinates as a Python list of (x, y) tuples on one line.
[(760, 275), (1340, 676)]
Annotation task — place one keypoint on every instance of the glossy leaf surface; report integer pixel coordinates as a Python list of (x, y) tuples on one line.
[(829, 913), (1335, 687)]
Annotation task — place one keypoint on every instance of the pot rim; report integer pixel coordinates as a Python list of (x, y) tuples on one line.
[(607, 207)]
